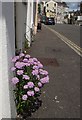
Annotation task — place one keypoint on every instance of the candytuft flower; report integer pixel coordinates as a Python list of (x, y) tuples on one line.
[(35, 72), (43, 72), (29, 78), (22, 54), (30, 93), (30, 84), (27, 56), (25, 87), (13, 69), (39, 84), (24, 97), (25, 60), (26, 77), (15, 80), (19, 65), (44, 80), (36, 89), (14, 59), (35, 67), (20, 72)]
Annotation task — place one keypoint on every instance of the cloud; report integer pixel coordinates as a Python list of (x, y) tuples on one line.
[(71, 0)]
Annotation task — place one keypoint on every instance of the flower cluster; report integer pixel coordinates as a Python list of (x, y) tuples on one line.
[(29, 76)]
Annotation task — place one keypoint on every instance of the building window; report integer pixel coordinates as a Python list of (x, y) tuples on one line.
[(54, 10), (54, 5), (47, 5)]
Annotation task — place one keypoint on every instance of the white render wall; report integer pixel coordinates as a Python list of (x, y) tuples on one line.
[(8, 50), (28, 22), (0, 60), (24, 21), (32, 13), (20, 24)]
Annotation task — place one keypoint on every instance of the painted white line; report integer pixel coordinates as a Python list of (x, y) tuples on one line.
[(71, 44)]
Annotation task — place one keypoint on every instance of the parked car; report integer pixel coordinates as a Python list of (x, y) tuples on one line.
[(43, 18), (79, 20), (50, 21)]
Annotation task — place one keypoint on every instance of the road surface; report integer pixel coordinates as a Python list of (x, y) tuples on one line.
[(61, 97)]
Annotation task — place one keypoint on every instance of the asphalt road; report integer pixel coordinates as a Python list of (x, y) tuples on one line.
[(61, 97), (72, 32)]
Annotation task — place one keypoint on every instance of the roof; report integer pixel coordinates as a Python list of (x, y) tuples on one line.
[(49, 1)]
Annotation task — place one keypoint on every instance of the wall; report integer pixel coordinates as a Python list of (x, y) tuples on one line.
[(8, 50), (21, 13), (28, 23), (0, 60), (35, 16)]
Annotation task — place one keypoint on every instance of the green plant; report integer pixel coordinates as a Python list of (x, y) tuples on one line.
[(29, 78)]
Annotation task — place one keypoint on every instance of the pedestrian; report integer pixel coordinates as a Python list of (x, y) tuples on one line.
[(39, 26)]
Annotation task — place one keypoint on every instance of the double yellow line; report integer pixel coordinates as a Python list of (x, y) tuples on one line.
[(71, 44)]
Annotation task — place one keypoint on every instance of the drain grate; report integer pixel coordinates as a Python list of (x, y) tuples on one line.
[(49, 62)]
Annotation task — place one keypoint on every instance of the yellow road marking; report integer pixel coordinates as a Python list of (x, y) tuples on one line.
[(71, 44)]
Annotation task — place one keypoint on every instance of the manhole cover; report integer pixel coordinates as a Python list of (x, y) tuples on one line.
[(49, 62)]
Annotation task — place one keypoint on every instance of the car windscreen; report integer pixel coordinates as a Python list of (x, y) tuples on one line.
[(51, 19)]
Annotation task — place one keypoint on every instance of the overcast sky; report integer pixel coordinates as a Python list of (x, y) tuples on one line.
[(73, 4), (72, 0)]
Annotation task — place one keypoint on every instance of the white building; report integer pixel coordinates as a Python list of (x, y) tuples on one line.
[(16, 19), (62, 10), (51, 9)]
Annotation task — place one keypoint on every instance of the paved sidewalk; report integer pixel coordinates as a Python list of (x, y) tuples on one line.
[(61, 97)]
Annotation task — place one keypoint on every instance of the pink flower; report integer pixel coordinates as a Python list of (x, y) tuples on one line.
[(26, 77), (38, 76), (35, 67), (30, 93), (30, 84), (25, 60), (15, 80), (27, 56), (27, 64), (43, 72), (40, 65), (24, 97), (44, 80), (19, 72), (13, 69), (25, 87), (39, 84), (31, 61), (19, 65), (14, 59), (35, 72), (22, 54), (35, 63), (36, 89), (35, 59)]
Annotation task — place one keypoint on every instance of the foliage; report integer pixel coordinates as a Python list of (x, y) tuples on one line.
[(29, 78), (26, 46)]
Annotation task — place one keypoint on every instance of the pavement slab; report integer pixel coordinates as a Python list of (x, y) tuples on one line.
[(61, 97)]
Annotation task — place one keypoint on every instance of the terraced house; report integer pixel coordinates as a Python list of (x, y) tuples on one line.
[(51, 9)]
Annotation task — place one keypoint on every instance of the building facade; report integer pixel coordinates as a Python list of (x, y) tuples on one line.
[(62, 11), (56, 9), (51, 9), (16, 21)]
